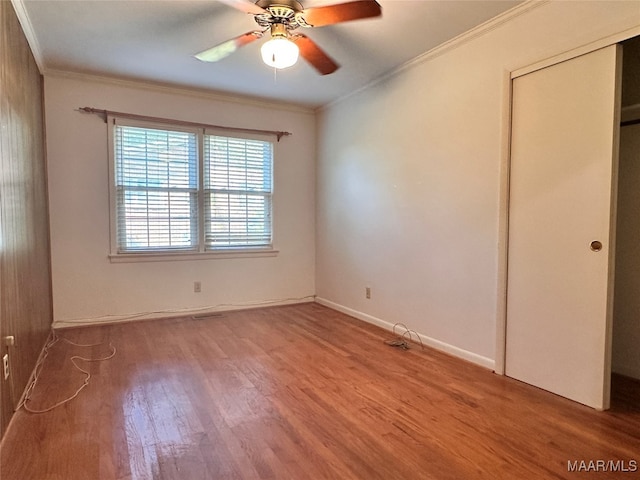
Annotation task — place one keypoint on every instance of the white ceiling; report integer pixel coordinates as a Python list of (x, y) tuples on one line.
[(155, 40)]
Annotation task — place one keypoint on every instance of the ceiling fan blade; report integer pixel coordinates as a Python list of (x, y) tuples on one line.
[(342, 12), (225, 49), (245, 6), (312, 53)]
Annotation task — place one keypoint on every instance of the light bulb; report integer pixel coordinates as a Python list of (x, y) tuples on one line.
[(279, 52)]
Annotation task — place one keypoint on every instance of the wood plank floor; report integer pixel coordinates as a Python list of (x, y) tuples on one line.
[(299, 392)]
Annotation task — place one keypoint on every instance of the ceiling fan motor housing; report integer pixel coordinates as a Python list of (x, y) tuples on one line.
[(285, 12)]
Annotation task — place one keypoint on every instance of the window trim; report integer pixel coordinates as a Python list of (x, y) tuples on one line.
[(200, 252)]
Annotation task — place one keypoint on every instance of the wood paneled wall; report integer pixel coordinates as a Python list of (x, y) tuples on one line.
[(25, 280)]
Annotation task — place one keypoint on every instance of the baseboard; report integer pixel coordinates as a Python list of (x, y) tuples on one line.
[(431, 342), (627, 371), (630, 112), (109, 319)]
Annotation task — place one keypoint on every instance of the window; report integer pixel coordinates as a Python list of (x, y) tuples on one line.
[(188, 191), (237, 195)]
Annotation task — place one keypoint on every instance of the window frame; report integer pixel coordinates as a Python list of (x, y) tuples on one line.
[(200, 251)]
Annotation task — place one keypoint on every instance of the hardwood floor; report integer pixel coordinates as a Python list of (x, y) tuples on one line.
[(299, 392)]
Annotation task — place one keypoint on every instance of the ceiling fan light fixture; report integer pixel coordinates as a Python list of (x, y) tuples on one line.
[(280, 52)]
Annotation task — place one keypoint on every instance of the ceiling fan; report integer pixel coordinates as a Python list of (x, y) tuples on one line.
[(281, 18)]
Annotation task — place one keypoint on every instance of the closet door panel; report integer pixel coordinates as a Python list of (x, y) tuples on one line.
[(562, 190)]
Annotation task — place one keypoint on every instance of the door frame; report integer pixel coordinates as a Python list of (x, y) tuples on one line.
[(505, 174)]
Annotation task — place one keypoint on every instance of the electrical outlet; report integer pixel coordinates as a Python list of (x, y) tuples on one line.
[(367, 292), (5, 365), (197, 287)]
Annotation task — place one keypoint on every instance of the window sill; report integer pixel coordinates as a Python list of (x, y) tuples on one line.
[(173, 256)]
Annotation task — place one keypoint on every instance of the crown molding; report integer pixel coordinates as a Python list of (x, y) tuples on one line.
[(27, 28), (449, 45), (177, 90)]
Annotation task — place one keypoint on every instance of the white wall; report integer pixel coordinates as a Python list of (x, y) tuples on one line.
[(87, 286), (409, 179)]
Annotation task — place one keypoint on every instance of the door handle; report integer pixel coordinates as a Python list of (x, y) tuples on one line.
[(596, 246)]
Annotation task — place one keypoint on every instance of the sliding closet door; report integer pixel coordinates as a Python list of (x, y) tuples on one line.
[(562, 190)]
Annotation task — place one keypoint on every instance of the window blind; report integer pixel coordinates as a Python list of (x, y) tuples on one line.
[(188, 190), (156, 189), (237, 192)]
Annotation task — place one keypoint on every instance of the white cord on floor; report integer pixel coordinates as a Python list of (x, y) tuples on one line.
[(39, 366), (401, 340)]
